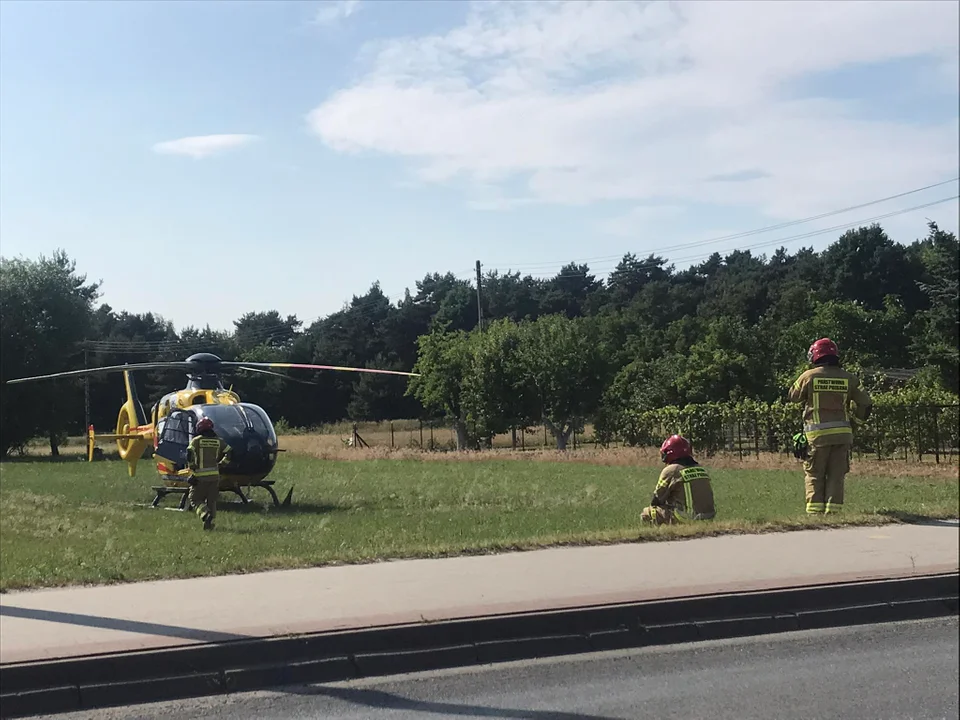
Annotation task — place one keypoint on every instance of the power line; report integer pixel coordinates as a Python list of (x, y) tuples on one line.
[(366, 307), (756, 231), (767, 243)]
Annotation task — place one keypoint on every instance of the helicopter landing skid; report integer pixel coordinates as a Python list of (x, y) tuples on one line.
[(265, 484), (162, 491)]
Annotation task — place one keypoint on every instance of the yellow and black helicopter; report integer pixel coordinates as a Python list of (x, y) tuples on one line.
[(244, 426)]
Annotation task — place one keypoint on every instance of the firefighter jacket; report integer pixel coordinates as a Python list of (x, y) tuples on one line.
[(204, 454), (826, 392), (685, 490)]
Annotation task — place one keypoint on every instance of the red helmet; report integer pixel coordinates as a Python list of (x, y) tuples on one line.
[(204, 425), (824, 347), (674, 448)]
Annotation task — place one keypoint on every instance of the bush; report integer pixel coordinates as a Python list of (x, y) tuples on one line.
[(918, 421)]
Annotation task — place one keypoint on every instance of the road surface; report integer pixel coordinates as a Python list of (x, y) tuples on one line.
[(902, 671)]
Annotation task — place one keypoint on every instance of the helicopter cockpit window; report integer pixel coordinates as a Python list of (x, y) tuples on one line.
[(258, 418), (227, 419)]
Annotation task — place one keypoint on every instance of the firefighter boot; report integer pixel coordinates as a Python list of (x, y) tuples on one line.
[(656, 516)]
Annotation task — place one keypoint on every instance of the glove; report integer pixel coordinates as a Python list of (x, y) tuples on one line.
[(800, 446), (655, 502)]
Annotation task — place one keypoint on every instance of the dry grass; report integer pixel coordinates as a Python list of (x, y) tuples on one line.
[(331, 444), (320, 446), (75, 446), (401, 434)]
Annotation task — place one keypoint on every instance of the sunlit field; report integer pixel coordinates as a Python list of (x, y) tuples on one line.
[(65, 521)]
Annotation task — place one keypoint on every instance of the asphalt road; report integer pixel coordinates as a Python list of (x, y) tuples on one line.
[(903, 671)]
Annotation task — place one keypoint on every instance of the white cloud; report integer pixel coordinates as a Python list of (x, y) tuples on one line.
[(201, 146), (643, 218), (330, 12), (652, 102), (949, 73)]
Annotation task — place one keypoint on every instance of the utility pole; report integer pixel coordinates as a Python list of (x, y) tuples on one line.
[(479, 305), (86, 388)]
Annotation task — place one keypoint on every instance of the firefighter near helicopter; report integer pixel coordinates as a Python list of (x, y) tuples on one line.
[(172, 422)]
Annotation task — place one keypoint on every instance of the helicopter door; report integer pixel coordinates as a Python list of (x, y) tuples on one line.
[(175, 434)]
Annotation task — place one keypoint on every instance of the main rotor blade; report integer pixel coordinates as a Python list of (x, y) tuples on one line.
[(105, 369), (276, 374), (321, 367)]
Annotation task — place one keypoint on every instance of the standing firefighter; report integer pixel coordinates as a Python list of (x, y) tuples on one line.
[(683, 492), (205, 453), (826, 391)]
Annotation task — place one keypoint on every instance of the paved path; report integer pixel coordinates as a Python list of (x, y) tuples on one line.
[(79, 621)]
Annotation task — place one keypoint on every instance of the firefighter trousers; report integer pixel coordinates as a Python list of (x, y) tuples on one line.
[(825, 469), (667, 516), (203, 497)]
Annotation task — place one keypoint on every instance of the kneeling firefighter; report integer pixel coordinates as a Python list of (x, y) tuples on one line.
[(683, 492)]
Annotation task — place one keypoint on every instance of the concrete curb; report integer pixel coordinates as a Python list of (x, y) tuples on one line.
[(240, 666)]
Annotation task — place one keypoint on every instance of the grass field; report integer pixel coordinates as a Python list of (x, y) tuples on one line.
[(72, 522)]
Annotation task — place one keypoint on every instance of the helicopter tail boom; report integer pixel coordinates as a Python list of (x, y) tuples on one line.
[(92, 438)]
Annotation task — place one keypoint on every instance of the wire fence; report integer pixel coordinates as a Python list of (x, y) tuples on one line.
[(922, 431), (893, 431)]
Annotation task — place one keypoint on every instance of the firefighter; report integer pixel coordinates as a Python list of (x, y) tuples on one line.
[(205, 453), (826, 391), (683, 492)]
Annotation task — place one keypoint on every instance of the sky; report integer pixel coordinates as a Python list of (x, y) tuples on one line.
[(208, 159)]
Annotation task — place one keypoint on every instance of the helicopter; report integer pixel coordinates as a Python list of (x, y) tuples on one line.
[(172, 422)]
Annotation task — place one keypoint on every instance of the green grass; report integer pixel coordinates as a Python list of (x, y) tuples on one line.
[(73, 522)]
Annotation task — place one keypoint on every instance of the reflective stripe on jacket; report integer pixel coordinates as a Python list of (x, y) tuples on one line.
[(826, 392), (686, 490), (204, 454)]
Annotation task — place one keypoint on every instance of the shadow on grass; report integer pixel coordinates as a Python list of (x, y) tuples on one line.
[(295, 508), (914, 519)]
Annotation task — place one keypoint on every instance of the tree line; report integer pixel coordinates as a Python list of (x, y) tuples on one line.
[(560, 351)]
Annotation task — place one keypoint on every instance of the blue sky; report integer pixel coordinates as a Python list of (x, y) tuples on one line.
[(304, 150)]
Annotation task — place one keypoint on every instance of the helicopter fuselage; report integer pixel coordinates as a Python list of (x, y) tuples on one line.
[(244, 426)]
